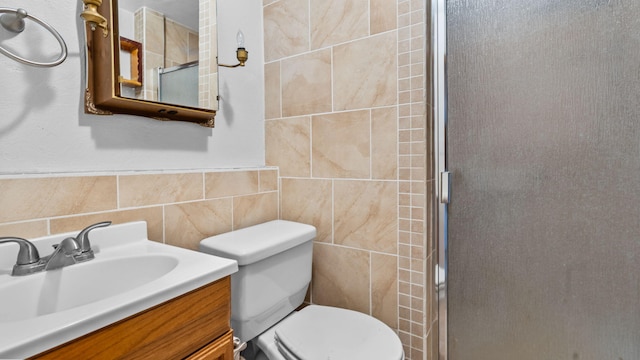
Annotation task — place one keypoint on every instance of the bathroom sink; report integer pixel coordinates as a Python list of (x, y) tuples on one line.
[(32, 296), (129, 274)]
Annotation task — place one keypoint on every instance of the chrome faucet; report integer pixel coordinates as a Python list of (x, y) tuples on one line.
[(70, 251), (64, 254)]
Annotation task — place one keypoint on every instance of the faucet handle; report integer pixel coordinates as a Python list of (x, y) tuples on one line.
[(83, 236), (28, 254), (28, 260)]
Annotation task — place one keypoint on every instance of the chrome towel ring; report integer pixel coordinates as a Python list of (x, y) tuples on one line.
[(13, 20)]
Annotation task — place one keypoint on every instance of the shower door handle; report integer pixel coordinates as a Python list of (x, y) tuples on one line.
[(445, 187)]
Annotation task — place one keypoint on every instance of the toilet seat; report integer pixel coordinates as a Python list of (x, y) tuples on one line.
[(322, 332)]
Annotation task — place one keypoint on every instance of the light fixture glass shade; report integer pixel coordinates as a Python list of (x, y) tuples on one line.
[(240, 39)]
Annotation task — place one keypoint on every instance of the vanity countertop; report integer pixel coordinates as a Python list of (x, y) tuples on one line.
[(128, 275)]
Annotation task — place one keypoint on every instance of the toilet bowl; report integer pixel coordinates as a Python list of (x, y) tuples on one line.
[(323, 332), (274, 262)]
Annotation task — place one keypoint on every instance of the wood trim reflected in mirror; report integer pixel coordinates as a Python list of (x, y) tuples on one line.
[(134, 49), (103, 83)]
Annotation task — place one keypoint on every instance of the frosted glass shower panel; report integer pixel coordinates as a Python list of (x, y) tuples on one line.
[(543, 146), (179, 85)]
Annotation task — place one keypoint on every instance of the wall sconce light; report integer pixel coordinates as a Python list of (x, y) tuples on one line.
[(242, 54), (90, 15)]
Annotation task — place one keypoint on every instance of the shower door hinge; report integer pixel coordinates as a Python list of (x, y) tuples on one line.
[(445, 187)]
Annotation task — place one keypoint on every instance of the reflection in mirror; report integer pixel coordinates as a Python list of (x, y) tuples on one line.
[(176, 63)]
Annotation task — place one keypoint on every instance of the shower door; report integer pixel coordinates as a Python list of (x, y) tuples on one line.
[(179, 84), (543, 147)]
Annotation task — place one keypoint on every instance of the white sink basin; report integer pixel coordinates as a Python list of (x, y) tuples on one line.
[(128, 275), (32, 296)]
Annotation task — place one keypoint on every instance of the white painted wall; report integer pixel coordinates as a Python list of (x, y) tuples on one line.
[(43, 127)]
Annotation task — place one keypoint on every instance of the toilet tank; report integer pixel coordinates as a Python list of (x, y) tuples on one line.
[(274, 272)]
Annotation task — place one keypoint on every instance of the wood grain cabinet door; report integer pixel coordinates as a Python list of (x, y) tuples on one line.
[(221, 349)]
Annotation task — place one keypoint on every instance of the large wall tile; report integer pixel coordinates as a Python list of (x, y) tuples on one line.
[(384, 288), (340, 277), (193, 47), (306, 84), (309, 201), (288, 145), (177, 43), (272, 106), (337, 21), (229, 183), (341, 145), (366, 215), (152, 215), (27, 230), (268, 180), (254, 209), (384, 147), (153, 31), (383, 16), (189, 223), (286, 29), (22, 199), (151, 189), (365, 72)]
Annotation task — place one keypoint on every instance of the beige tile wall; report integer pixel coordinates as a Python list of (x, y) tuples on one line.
[(345, 123), (180, 208)]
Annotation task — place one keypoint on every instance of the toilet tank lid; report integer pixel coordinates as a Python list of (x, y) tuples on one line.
[(257, 242)]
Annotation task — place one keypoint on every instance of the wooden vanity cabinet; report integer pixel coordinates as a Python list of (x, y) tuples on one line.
[(221, 349), (193, 326)]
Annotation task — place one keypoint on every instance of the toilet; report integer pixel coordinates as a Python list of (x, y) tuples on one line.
[(274, 261)]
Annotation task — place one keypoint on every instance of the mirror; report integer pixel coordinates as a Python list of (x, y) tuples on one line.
[(159, 59), (168, 32)]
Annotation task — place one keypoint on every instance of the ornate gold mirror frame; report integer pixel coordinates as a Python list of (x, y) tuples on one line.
[(102, 96)]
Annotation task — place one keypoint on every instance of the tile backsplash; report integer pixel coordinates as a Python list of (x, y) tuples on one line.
[(180, 208)]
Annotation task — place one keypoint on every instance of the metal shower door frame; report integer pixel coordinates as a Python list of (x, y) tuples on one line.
[(437, 51)]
